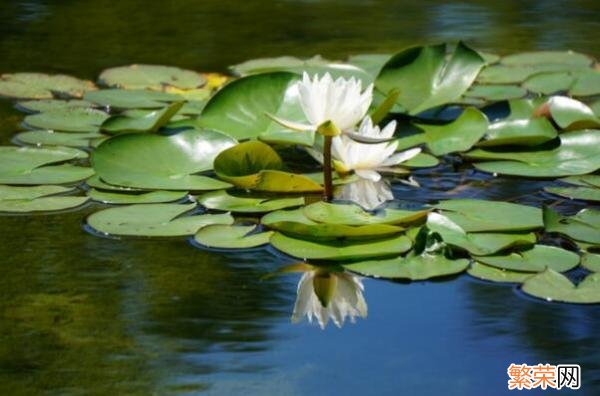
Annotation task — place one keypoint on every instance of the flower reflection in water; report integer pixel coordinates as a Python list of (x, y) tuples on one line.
[(329, 295), (367, 193)]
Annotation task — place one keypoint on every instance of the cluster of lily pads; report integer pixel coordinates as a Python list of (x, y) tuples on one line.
[(180, 153)]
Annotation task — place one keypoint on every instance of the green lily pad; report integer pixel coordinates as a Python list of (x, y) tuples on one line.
[(314, 65), (141, 198), (96, 182), (422, 160), (338, 250), (553, 286), (240, 108), (548, 83), (536, 259), (587, 83), (153, 161), (576, 155), (26, 165), (41, 106), (42, 86), (514, 74), (222, 200), (459, 135), (583, 193), (572, 114), (131, 99), (496, 92), (591, 261), (157, 219), (519, 132), (583, 180), (584, 226), (412, 267), (426, 78), (371, 63), (354, 215), (152, 77), (295, 223), (37, 198), (51, 138), (481, 243), (255, 165), (74, 119), (547, 57), (473, 215), (148, 122), (231, 237), (493, 274)]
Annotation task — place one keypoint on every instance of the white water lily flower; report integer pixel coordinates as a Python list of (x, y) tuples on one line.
[(322, 99), (366, 193), (367, 160), (347, 300)]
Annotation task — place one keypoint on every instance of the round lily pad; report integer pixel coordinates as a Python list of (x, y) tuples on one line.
[(37, 106), (496, 92), (157, 219), (153, 77), (519, 132), (131, 99), (583, 193), (96, 182), (584, 226), (412, 267), (295, 223), (222, 200), (150, 121), (591, 261), (354, 215), (74, 119), (42, 86), (154, 161), (231, 237), (68, 139), (474, 215), (536, 259), (139, 198), (37, 199), (547, 57), (338, 250), (26, 165), (494, 274), (553, 286)]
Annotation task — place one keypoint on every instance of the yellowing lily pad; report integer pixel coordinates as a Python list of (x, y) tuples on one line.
[(42, 86)]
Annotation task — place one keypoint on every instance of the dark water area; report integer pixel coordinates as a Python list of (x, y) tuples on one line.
[(84, 315)]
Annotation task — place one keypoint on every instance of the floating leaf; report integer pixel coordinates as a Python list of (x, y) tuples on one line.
[(38, 198), (312, 66), (584, 226), (153, 77), (255, 165), (496, 92), (222, 200), (480, 243), (338, 250), (474, 215), (96, 182), (520, 132), (42, 86), (586, 84), (354, 215), (459, 135), (371, 63), (413, 267), (26, 165), (536, 259), (553, 286), (583, 193), (547, 57), (426, 78), (494, 274), (51, 138), (157, 219), (591, 261), (514, 74), (240, 108), (131, 99), (583, 180), (295, 223), (232, 237), (74, 119), (577, 154), (36, 106), (422, 160), (148, 122), (161, 162), (141, 198), (571, 114)]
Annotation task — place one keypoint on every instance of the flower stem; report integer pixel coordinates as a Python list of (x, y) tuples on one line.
[(328, 193)]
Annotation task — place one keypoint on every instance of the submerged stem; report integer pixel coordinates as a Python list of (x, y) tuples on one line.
[(328, 193)]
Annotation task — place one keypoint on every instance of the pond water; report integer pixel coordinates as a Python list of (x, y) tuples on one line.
[(86, 315)]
